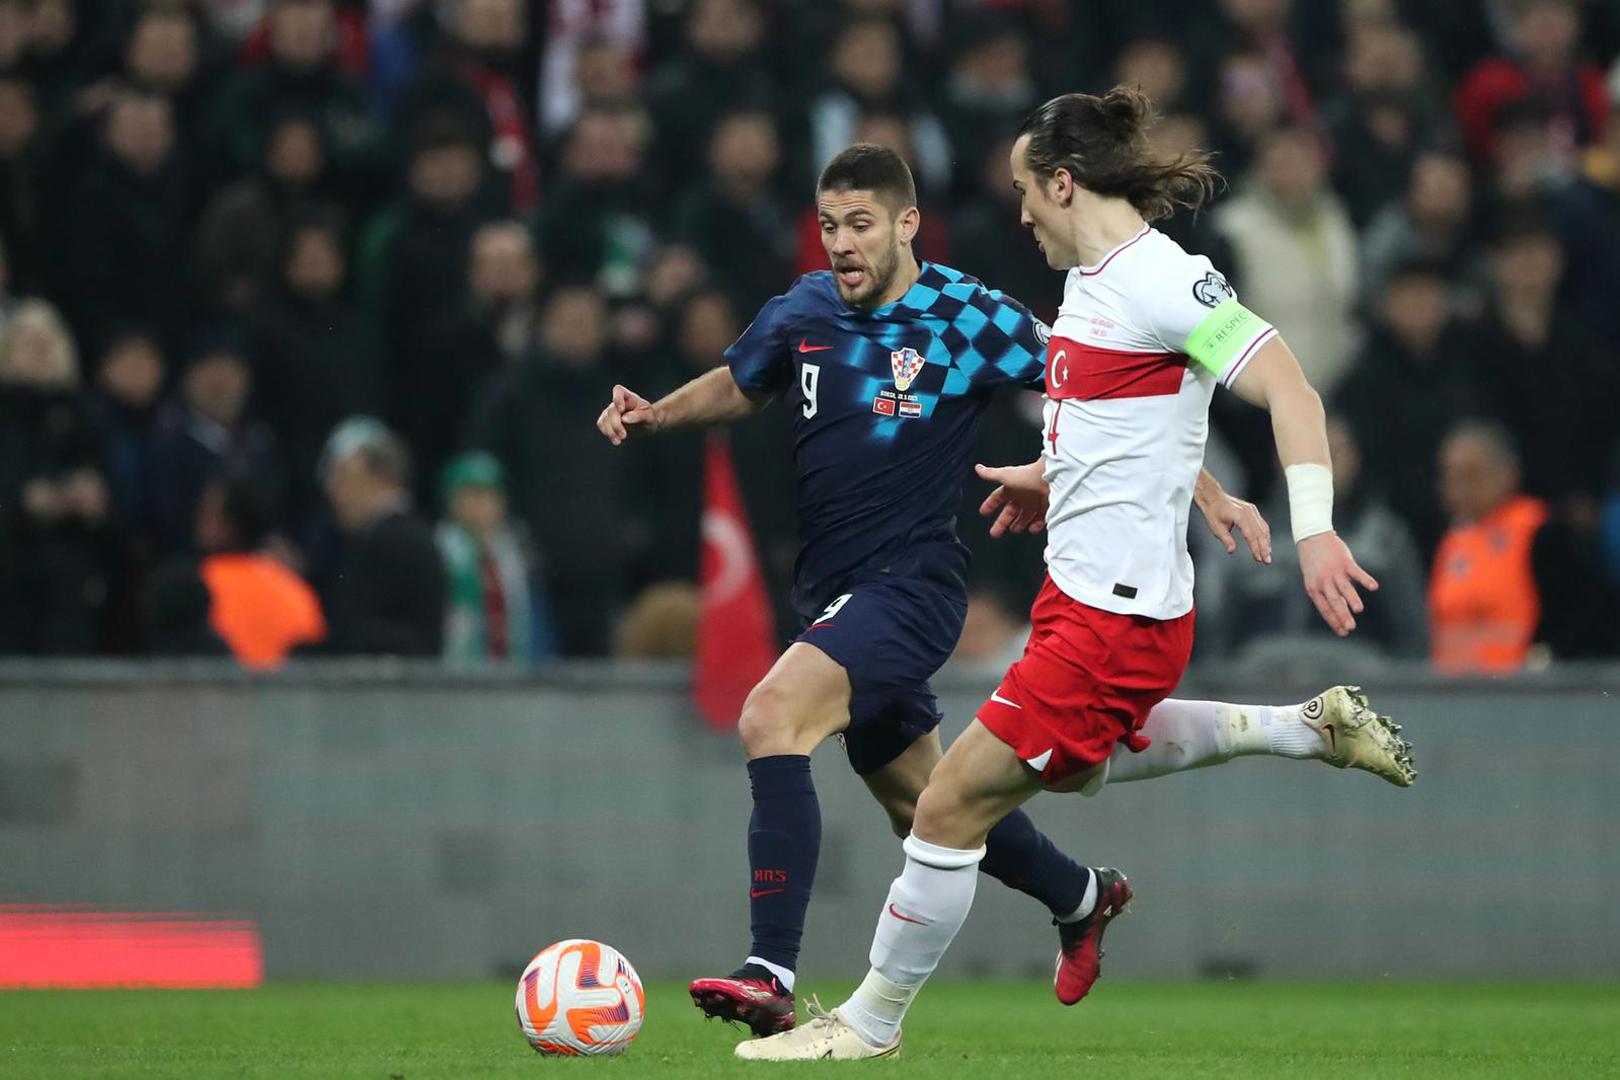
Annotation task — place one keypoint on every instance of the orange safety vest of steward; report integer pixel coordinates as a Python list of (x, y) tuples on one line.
[(261, 609), (1483, 603)]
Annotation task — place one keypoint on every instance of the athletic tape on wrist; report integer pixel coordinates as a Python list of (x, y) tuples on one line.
[(1310, 500)]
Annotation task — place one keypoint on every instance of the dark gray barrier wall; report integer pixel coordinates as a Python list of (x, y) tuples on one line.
[(405, 825)]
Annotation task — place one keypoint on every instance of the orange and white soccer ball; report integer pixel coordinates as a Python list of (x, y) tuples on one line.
[(580, 997)]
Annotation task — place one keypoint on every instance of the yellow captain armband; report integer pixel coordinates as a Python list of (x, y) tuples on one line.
[(1220, 340)]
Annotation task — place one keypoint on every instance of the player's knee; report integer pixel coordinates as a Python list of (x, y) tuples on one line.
[(766, 726), (938, 817)]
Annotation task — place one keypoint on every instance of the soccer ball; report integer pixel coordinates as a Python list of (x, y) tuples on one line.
[(580, 997)]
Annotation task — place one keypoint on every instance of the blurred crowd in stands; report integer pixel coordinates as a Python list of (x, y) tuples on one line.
[(308, 306)]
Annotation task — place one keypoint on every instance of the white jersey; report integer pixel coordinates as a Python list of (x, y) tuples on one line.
[(1139, 343)]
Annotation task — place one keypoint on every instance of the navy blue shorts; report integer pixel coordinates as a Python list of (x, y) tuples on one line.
[(890, 635)]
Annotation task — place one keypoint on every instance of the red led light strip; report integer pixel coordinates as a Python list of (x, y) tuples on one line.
[(67, 946)]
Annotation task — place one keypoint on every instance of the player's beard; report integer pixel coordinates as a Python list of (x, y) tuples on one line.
[(879, 277)]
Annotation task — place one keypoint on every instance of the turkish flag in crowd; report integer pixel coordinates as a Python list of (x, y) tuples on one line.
[(736, 643)]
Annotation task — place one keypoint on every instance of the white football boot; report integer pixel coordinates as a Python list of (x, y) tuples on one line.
[(1358, 738), (825, 1038)]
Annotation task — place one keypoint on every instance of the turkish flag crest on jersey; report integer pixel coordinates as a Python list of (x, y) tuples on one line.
[(736, 641)]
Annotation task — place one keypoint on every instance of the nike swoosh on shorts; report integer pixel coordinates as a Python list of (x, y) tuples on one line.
[(1038, 763)]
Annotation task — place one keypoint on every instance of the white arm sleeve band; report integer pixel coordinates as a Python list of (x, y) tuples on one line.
[(1310, 500)]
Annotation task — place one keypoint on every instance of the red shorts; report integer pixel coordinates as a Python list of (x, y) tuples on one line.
[(1087, 680)]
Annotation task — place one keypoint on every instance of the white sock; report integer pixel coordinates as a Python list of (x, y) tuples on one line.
[(876, 1008), (1283, 734), (926, 906), (1194, 734), (783, 975), (1088, 902)]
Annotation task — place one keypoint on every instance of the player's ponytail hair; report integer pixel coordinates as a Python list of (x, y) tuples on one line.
[(1102, 143)]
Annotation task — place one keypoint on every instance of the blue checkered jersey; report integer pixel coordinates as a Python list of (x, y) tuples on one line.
[(886, 412)]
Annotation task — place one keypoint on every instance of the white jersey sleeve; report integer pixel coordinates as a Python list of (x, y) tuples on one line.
[(1193, 311)]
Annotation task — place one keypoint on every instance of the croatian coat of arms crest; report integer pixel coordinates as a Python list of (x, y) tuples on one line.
[(906, 363)]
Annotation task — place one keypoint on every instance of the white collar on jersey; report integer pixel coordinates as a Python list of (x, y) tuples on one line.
[(1087, 271)]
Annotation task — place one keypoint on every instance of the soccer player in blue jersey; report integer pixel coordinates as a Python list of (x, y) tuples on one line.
[(888, 364)]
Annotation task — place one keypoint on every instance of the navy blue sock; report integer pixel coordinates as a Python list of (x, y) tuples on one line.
[(1021, 857), (784, 842)]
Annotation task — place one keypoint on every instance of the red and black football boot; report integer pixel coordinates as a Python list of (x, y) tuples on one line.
[(750, 995), (1080, 956)]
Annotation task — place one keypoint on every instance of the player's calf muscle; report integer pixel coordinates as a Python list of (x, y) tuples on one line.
[(955, 815), (897, 793), (978, 782), (897, 785), (901, 816)]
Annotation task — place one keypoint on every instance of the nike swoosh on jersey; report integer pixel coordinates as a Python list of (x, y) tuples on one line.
[(995, 696), (805, 346)]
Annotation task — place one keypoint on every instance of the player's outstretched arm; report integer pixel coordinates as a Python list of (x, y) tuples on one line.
[(1224, 512), (1274, 381), (1018, 504), (712, 398)]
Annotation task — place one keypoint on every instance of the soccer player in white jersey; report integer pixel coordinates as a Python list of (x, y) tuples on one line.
[(1145, 332)]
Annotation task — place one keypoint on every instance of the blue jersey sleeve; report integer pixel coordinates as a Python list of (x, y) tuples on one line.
[(1023, 358), (761, 361)]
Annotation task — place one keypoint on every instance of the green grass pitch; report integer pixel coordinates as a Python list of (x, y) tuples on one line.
[(1009, 1031)]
